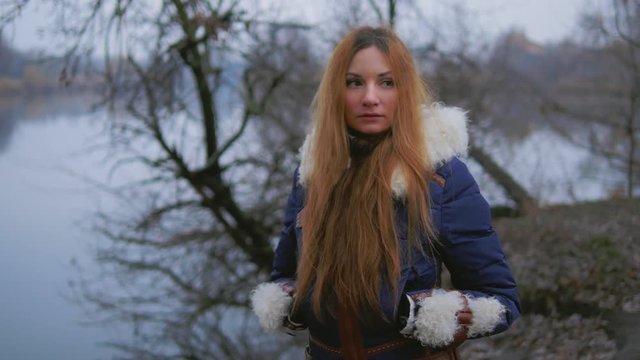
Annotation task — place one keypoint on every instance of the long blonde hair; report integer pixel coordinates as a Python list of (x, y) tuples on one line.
[(349, 237)]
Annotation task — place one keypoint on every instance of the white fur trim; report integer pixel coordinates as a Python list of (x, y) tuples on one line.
[(411, 321), (306, 159), (398, 183), (445, 130), (271, 304), (487, 313), (437, 320)]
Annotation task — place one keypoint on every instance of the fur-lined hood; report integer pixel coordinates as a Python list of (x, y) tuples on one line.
[(446, 135)]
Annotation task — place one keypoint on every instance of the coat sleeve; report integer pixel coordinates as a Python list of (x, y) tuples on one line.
[(471, 251), (286, 254), (271, 301)]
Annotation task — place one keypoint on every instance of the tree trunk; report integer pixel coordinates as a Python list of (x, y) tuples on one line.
[(524, 202)]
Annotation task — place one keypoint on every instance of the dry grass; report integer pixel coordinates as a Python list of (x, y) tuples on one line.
[(578, 271)]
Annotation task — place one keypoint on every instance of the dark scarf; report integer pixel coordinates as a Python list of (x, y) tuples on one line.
[(361, 145)]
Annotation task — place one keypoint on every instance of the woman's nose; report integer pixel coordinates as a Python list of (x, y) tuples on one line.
[(370, 97)]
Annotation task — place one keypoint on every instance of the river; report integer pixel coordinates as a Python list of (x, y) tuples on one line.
[(43, 141)]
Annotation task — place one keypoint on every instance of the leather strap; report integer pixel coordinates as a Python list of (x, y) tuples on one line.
[(462, 335), (370, 351), (429, 354)]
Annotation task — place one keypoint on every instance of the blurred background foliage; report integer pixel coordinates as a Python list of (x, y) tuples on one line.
[(209, 101)]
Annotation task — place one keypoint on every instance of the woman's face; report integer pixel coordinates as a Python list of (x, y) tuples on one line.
[(371, 95)]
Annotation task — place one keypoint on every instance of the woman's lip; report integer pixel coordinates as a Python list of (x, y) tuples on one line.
[(370, 115)]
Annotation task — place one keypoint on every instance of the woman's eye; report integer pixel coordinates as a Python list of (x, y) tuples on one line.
[(353, 82), (387, 83)]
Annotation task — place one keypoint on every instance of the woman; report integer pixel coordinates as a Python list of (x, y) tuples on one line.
[(379, 202)]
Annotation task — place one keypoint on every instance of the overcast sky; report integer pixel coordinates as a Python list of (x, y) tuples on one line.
[(543, 20)]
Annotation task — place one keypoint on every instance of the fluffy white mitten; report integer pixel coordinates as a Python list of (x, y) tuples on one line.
[(271, 303), (487, 313), (436, 321)]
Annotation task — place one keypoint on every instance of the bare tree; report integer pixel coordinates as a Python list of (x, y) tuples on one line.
[(598, 99), (474, 84), (10, 10), (391, 10), (467, 72), (209, 101)]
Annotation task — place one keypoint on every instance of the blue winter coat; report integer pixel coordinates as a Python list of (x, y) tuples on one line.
[(469, 248)]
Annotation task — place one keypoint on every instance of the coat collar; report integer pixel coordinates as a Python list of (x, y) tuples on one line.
[(445, 133)]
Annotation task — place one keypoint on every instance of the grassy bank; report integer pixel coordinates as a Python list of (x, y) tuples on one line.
[(578, 271)]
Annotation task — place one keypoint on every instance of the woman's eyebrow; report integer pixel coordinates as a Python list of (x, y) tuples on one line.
[(386, 73)]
